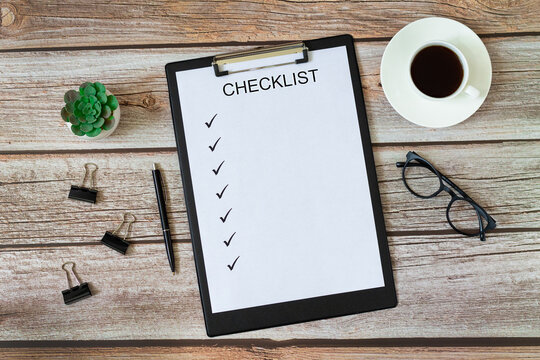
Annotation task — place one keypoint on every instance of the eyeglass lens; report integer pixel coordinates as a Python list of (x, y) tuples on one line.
[(420, 179), (464, 217)]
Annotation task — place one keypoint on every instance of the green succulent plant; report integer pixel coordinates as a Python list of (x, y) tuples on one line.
[(89, 110)]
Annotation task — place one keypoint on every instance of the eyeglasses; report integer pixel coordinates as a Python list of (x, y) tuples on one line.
[(463, 214)]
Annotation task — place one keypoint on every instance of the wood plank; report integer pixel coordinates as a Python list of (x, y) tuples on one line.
[(78, 23), (446, 287), (36, 210), (261, 352), (38, 80)]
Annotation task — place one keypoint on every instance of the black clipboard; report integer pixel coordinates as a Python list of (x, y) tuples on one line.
[(284, 313)]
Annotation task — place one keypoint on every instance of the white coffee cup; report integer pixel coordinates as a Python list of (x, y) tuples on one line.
[(463, 87)]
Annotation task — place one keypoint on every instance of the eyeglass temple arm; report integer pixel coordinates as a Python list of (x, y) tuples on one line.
[(454, 186)]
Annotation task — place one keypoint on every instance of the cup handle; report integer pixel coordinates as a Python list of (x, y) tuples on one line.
[(472, 91)]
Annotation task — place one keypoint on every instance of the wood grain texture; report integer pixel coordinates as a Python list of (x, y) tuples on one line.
[(79, 23), (446, 287), (449, 286), (282, 353), (39, 79), (36, 210)]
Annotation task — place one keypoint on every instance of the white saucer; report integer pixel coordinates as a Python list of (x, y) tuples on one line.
[(395, 72)]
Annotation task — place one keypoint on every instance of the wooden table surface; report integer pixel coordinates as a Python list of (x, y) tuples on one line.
[(458, 297)]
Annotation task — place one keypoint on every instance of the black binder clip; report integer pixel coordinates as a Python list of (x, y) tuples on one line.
[(75, 293), (116, 242), (82, 193)]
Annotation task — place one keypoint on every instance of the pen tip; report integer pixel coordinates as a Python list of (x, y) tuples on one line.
[(154, 165)]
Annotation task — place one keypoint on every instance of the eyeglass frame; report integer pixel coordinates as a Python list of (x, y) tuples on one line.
[(480, 211)]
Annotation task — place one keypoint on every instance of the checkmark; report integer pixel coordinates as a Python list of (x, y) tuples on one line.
[(216, 171), (215, 144), (211, 121), (223, 219), (232, 266), (219, 195), (229, 242)]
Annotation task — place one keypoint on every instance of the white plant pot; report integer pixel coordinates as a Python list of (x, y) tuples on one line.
[(104, 133)]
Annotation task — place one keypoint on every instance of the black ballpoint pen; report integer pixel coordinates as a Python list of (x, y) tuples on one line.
[(163, 215)]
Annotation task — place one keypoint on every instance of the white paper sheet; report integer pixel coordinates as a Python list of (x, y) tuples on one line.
[(297, 189)]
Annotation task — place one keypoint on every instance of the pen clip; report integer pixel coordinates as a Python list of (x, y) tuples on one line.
[(165, 198), (161, 183)]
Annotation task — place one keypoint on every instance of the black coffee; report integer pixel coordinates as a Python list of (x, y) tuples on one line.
[(436, 71)]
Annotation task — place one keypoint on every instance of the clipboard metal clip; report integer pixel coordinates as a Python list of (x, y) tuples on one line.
[(260, 53)]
